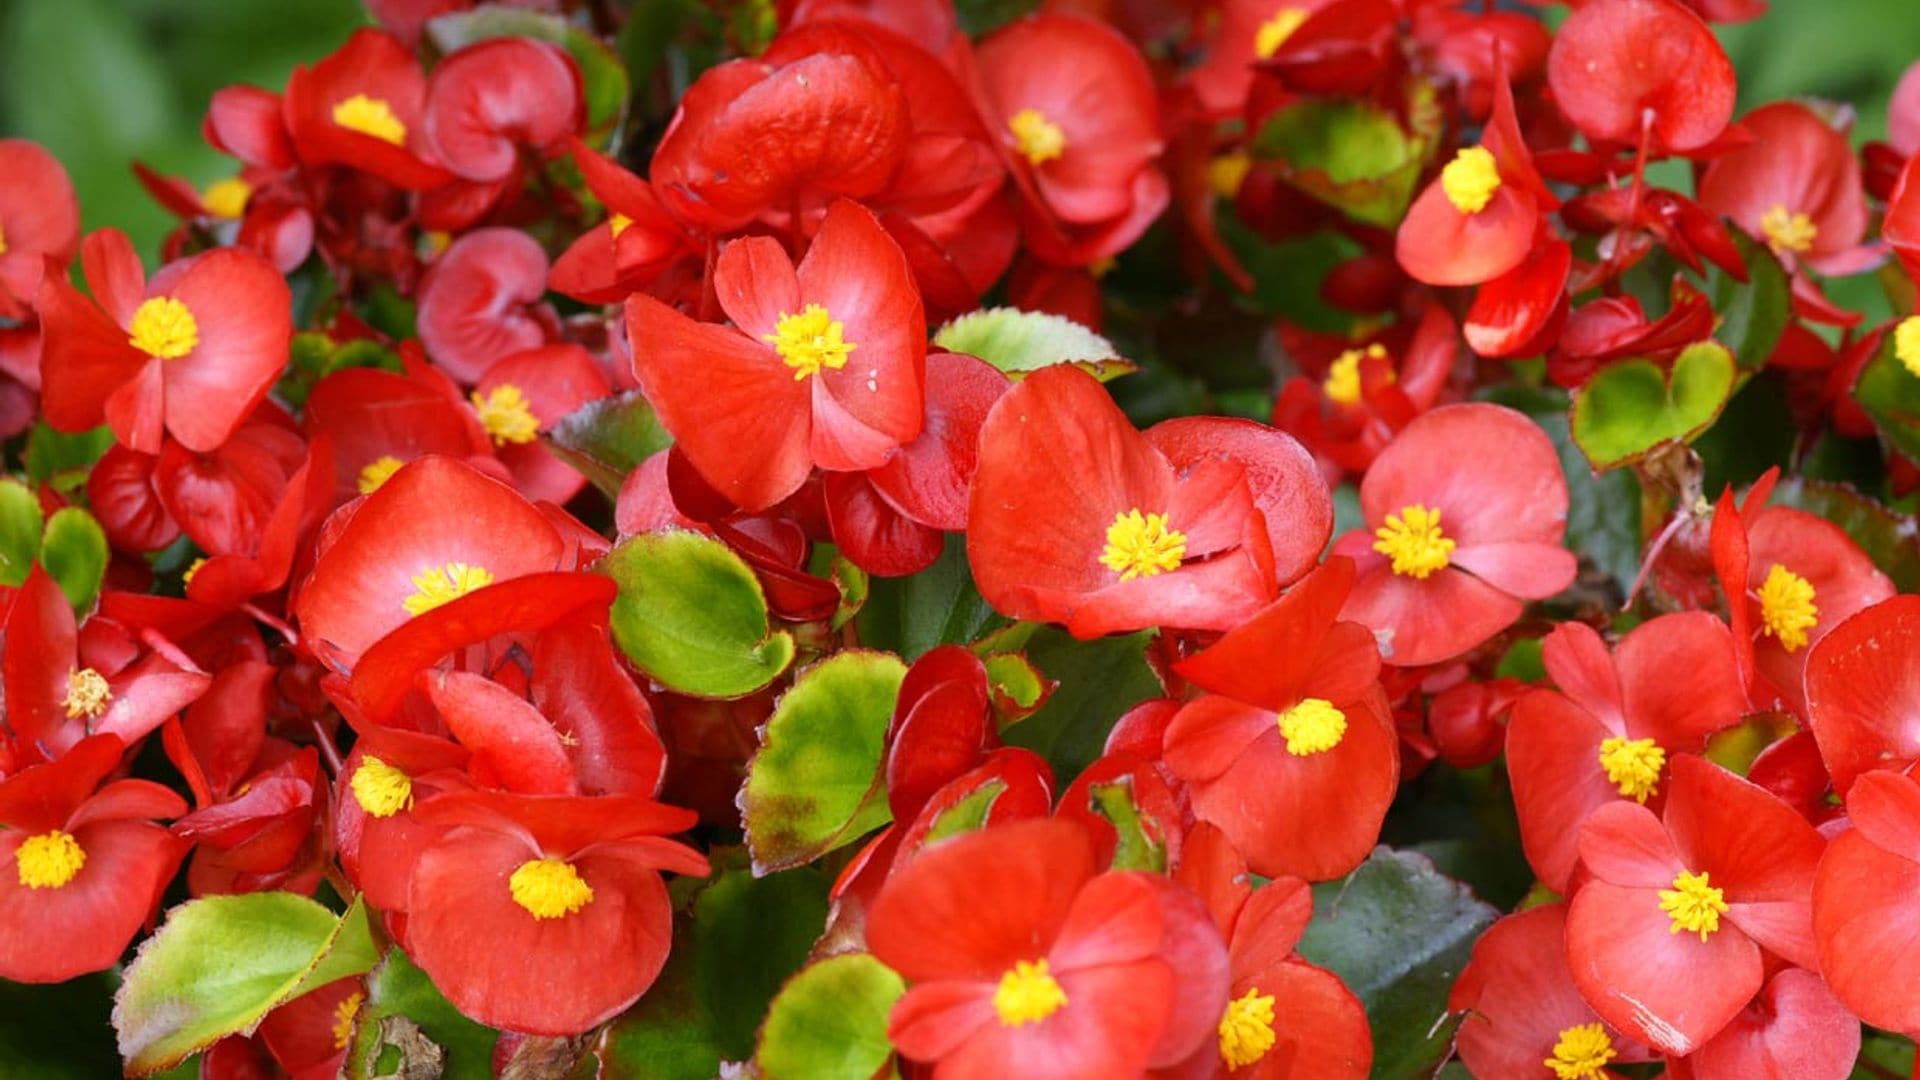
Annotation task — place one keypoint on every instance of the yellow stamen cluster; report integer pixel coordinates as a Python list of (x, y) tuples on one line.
[(1312, 727), (810, 340), (1693, 905), (193, 570), (380, 789), (88, 694), (162, 327), (377, 472), (549, 888), (1227, 172), (1470, 179), (506, 414), (343, 1016), (1038, 139), (1906, 342), (437, 585), (227, 198), (49, 860), (1582, 1053), (1343, 385), (1413, 540), (1027, 994), (370, 116), (619, 223), (1633, 765), (3, 241), (1788, 231), (1787, 610), (1246, 1029), (1141, 545), (1275, 31)]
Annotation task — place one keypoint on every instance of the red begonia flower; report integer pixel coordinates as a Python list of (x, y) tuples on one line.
[(825, 364), (379, 421), (1616, 326), (1478, 218), (481, 302), (526, 393), (85, 867), (1362, 393), (1624, 69), (1285, 485), (191, 352), (626, 252), (492, 99), (1079, 519), (222, 499), (1520, 312), (250, 124), (1248, 31), (1465, 510), (1665, 941), (1863, 691), (1292, 753), (1793, 1027), (927, 479), (363, 107), (387, 776), (1796, 188), (309, 1036), (1864, 918), (39, 220), (260, 836), (1609, 731), (232, 578)]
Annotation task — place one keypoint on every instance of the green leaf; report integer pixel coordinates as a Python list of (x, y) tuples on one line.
[(1891, 396), (751, 934), (1397, 932), (1752, 315), (1890, 539), (20, 525), (968, 814), (815, 782), (221, 963), (405, 1021), (691, 614), (602, 75), (1098, 679), (1018, 342), (1138, 848), (1632, 407), (937, 606), (61, 459), (1017, 688), (74, 551), (1352, 155), (59, 1031), (830, 1021), (608, 438)]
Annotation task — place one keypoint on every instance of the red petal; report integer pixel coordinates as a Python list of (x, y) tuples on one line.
[(1671, 991)]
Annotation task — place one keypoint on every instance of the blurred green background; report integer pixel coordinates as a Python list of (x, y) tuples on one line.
[(101, 82)]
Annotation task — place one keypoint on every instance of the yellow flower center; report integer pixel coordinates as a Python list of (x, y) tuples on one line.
[(1027, 994), (1413, 540), (1786, 607), (1787, 231), (380, 789), (1582, 1053), (1275, 31), (437, 585), (3, 241), (1633, 765), (193, 571), (809, 341), (377, 472), (549, 888), (87, 694), (1227, 172), (227, 198), (1693, 905), (1312, 727), (1342, 385), (164, 328), (1246, 1029), (1906, 342), (506, 414), (370, 116), (1470, 179), (1039, 139), (1141, 545), (619, 223), (49, 860), (343, 1015)]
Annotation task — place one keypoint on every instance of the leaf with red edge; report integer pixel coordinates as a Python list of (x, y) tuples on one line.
[(1633, 407)]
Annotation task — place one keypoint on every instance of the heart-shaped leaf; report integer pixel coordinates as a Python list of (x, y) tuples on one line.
[(1632, 407), (691, 614), (20, 525), (830, 1021), (74, 551)]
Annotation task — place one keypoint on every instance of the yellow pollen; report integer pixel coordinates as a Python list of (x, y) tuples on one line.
[(343, 1015), (1470, 179), (1633, 765), (1342, 385), (1275, 31), (1141, 545), (370, 116), (1246, 1029), (1027, 994), (437, 241), (1227, 172), (1693, 905), (377, 472), (49, 860), (3, 241), (1413, 540), (549, 888), (1787, 231), (1906, 342), (809, 341), (437, 585), (1036, 137), (164, 328), (193, 571), (619, 223), (1786, 607), (1582, 1053), (380, 789), (1312, 727), (506, 414), (87, 694), (227, 198)]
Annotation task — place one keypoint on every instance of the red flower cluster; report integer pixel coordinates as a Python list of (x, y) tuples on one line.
[(667, 571)]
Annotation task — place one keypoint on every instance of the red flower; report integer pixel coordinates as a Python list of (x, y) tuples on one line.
[(491, 99), (1465, 509), (526, 393), (84, 867), (1249, 31), (826, 365), (194, 350), (1795, 188), (1615, 722), (1292, 753), (1021, 960), (1864, 918), (1522, 1010), (620, 256), (1078, 519), (482, 301), (362, 107), (1365, 392), (1478, 219), (39, 220), (1793, 1027), (1624, 71), (1863, 691), (379, 421), (1665, 942), (517, 910)]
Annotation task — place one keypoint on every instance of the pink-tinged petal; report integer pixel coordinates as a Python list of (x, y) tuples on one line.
[(1210, 733), (476, 303), (927, 479), (137, 410), (1669, 990), (1426, 621), (1281, 474), (1439, 245), (1491, 472), (1114, 920), (934, 1018), (1527, 570), (856, 271), (244, 314), (1868, 928), (1885, 808), (1553, 758), (1622, 843), (1796, 1028), (1679, 680)]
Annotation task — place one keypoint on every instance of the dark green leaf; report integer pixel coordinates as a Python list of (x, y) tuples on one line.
[(59, 1031), (937, 606), (1753, 315), (751, 934), (1098, 679), (1891, 395), (608, 438)]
